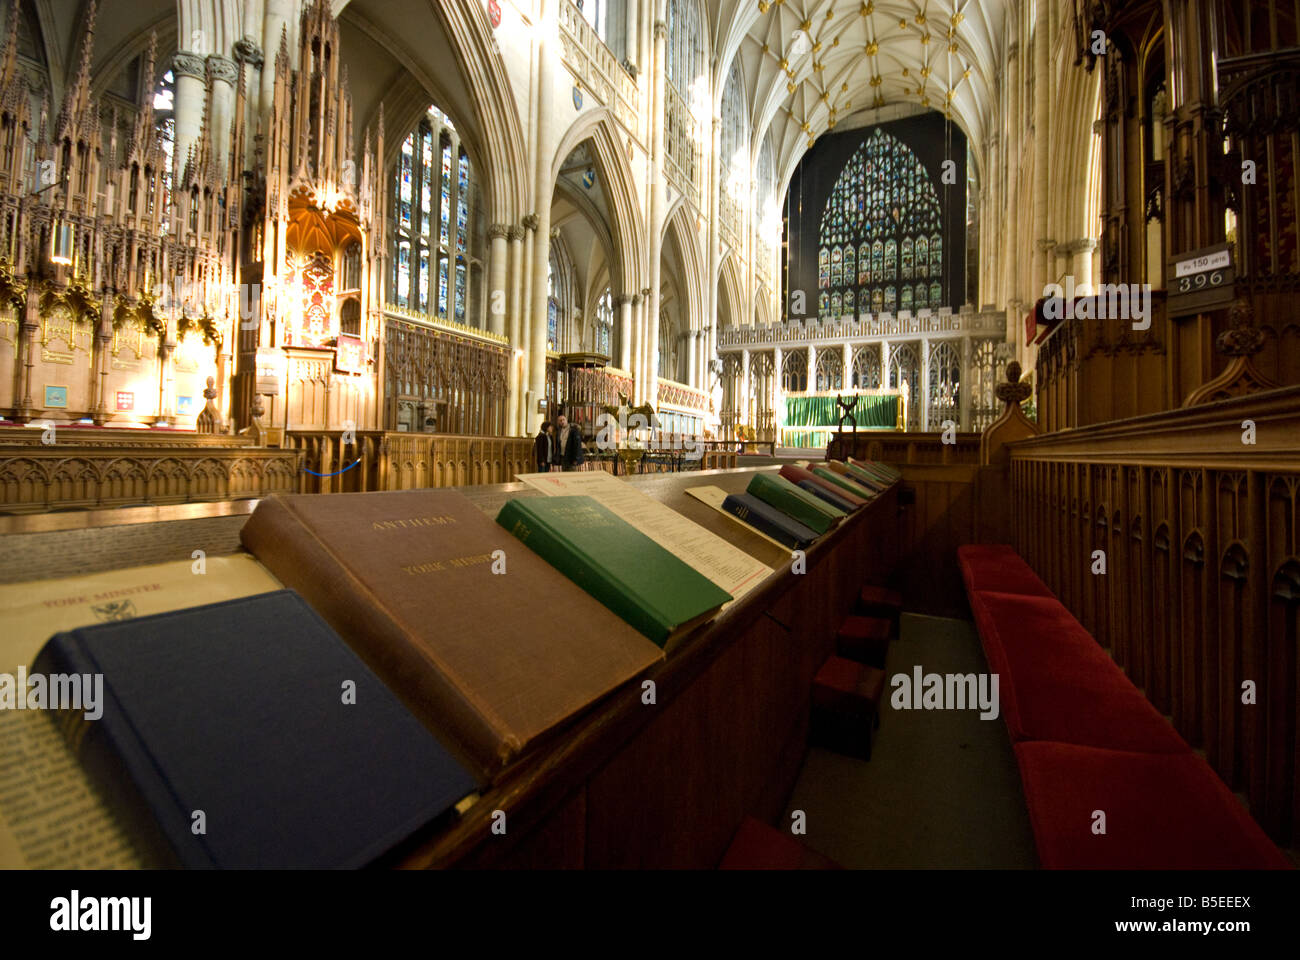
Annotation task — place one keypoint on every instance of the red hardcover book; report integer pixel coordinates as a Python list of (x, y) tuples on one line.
[(798, 474)]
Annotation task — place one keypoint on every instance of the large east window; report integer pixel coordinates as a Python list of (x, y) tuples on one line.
[(880, 244)]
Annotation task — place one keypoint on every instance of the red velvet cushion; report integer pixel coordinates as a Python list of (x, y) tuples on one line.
[(864, 628), (996, 566), (757, 846), (839, 677), (872, 596), (1056, 683), (1163, 812)]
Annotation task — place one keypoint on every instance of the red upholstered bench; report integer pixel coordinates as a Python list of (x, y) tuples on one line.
[(997, 566), (756, 846), (864, 639), (1056, 683), (1162, 811), (1087, 740)]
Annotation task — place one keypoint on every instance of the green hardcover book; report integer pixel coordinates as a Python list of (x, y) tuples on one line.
[(809, 510), (830, 476), (884, 470), (637, 579), (858, 475), (866, 476)]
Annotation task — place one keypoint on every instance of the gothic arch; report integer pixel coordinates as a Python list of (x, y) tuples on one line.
[(624, 207), (492, 122), (678, 226), (729, 292)]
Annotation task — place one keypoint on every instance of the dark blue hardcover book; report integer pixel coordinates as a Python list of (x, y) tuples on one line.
[(832, 499), (246, 734), (767, 518)]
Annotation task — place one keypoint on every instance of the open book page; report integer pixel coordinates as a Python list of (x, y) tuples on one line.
[(728, 566)]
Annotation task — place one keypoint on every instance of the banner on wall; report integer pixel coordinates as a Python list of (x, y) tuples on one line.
[(350, 354)]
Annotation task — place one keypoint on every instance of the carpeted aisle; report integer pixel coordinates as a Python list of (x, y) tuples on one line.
[(941, 789)]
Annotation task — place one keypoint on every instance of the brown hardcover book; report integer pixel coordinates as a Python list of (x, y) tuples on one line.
[(493, 659)]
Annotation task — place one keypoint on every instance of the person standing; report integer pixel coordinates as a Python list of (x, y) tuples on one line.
[(544, 452), (568, 444)]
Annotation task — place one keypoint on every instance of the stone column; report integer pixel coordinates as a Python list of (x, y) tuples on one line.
[(1042, 152), (1082, 250), (647, 391), (281, 18), (812, 368), (223, 74), (715, 251), (925, 384), (496, 312), (745, 386), (847, 380), (964, 385), (548, 51), (623, 302), (515, 243), (778, 389), (658, 204), (190, 73), (526, 325)]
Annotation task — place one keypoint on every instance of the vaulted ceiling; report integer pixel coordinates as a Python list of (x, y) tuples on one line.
[(810, 65)]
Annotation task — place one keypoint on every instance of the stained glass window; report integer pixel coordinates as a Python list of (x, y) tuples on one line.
[(426, 202), (462, 213), (426, 181), (445, 205), (403, 271), (604, 323), (404, 184), (424, 280), (880, 226)]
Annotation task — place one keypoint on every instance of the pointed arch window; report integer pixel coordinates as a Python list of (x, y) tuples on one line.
[(884, 215), (733, 151), (433, 210)]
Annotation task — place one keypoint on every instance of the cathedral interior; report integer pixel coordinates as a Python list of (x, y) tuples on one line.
[(1040, 257)]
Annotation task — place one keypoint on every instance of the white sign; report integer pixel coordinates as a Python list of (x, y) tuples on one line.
[(1210, 261)]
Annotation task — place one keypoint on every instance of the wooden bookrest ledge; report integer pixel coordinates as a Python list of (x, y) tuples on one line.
[(630, 783)]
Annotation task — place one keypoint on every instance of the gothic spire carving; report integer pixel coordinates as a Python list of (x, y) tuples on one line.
[(77, 119)]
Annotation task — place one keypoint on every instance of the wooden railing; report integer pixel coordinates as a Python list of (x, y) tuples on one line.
[(1175, 539), (904, 447), (70, 476), (377, 460)]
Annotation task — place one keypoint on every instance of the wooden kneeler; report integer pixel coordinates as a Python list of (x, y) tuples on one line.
[(881, 602), (756, 846), (864, 639), (846, 698)]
